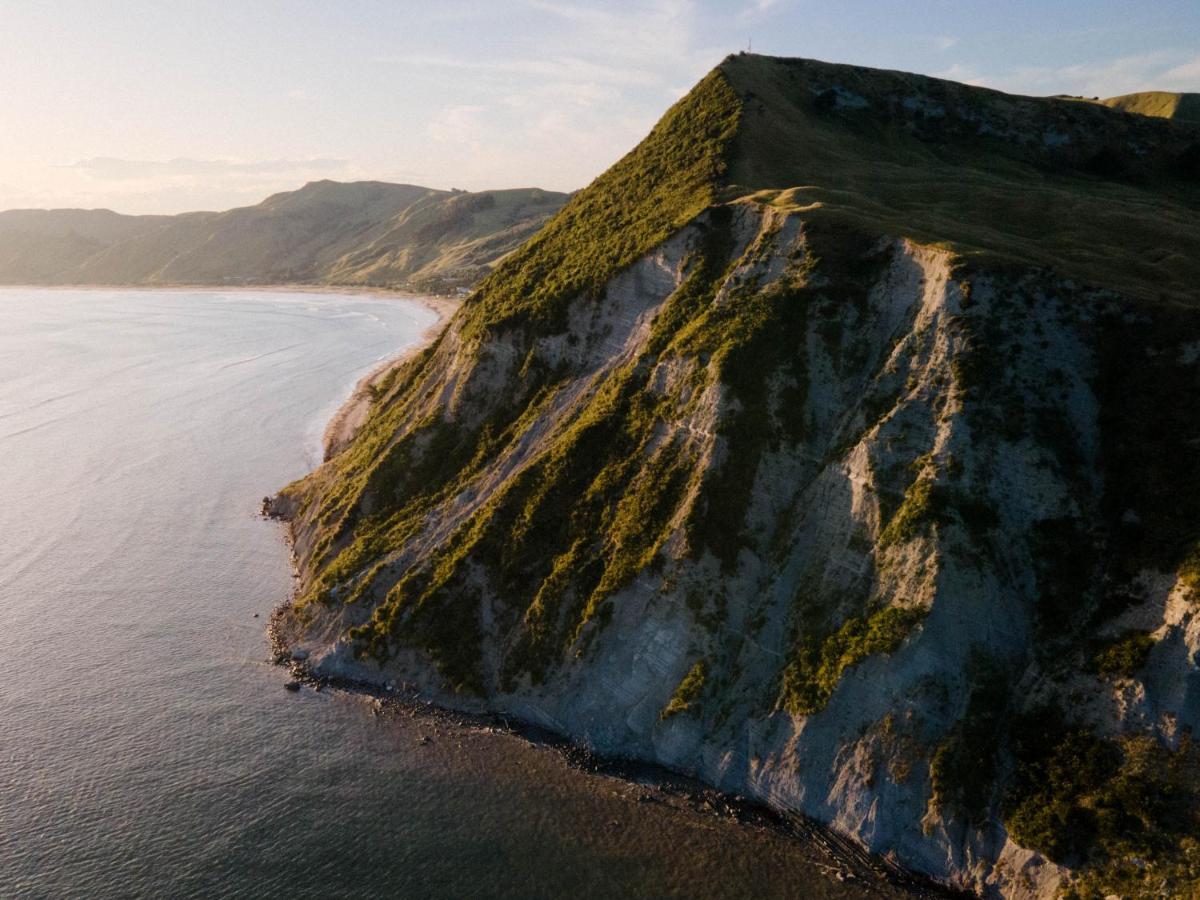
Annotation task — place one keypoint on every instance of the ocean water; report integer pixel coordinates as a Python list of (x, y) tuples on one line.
[(147, 746)]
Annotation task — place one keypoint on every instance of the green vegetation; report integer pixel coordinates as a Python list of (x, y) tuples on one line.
[(916, 510), (965, 765), (1067, 563), (818, 663), (1125, 655), (895, 169), (688, 691), (1189, 572), (1129, 808), (664, 183), (1148, 440), (398, 471), (1162, 104)]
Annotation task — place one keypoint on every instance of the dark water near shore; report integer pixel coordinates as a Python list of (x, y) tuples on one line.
[(147, 747)]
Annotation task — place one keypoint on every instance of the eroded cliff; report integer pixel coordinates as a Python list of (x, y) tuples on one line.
[(881, 508)]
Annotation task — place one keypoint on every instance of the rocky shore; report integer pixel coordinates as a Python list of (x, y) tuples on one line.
[(844, 860)]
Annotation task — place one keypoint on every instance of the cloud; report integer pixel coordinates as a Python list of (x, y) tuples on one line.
[(945, 42), (455, 123), (173, 185), (756, 9), (959, 72), (116, 169), (1183, 77), (563, 68), (653, 36), (1163, 70)]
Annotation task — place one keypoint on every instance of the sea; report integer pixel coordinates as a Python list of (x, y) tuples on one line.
[(147, 745)]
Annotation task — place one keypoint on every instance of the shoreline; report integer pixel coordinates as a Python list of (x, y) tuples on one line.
[(848, 862), (443, 306), (350, 416)]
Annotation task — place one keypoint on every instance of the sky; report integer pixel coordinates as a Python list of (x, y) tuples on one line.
[(167, 106)]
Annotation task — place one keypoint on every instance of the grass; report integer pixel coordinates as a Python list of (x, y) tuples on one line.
[(965, 766), (1189, 572), (818, 663), (664, 183), (688, 691), (1112, 808), (914, 513), (1124, 656), (938, 179), (1161, 104)]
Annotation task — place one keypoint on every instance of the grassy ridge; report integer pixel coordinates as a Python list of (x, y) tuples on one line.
[(665, 182), (1049, 182), (1162, 104)]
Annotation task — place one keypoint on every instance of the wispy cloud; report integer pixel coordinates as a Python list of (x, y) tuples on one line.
[(1165, 70), (172, 185), (114, 168), (757, 9), (562, 68), (1183, 77), (600, 77), (455, 123)]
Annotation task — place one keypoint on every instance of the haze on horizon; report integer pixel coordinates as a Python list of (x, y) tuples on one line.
[(169, 106)]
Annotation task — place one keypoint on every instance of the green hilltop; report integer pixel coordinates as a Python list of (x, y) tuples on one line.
[(1163, 104), (1110, 198)]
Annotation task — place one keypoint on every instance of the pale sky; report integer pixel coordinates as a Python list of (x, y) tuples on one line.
[(167, 106)]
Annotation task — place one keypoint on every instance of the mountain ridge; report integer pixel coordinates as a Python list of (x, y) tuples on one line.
[(356, 233)]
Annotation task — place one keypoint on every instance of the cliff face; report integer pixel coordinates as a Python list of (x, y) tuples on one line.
[(730, 469)]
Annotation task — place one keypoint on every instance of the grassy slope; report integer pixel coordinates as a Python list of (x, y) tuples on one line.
[(444, 236), (1162, 104), (1087, 207), (36, 245)]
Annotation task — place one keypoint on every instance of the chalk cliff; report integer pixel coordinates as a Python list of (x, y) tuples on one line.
[(839, 445)]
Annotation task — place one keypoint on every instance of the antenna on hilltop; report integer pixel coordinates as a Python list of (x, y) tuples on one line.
[(749, 45)]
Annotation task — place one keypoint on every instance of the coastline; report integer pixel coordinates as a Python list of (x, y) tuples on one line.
[(352, 413), (443, 306), (845, 860)]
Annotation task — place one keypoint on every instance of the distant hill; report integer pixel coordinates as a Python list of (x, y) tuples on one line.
[(366, 232), (1163, 104)]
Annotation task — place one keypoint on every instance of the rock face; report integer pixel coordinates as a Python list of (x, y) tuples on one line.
[(834, 446)]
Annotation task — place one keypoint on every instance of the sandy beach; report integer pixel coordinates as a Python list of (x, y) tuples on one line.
[(353, 413)]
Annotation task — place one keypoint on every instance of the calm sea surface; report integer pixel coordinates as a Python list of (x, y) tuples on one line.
[(147, 747)]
